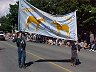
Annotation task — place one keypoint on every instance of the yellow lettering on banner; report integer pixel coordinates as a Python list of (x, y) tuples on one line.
[(28, 10), (70, 19)]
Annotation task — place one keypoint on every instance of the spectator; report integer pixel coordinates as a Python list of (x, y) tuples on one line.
[(85, 46), (86, 38), (94, 45), (91, 37), (50, 41), (81, 44)]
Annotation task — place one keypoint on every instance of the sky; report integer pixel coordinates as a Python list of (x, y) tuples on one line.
[(4, 6)]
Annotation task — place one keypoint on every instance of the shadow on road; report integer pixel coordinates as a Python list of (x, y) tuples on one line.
[(29, 64), (49, 60), (64, 60)]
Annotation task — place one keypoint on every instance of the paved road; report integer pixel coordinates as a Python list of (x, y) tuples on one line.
[(44, 58)]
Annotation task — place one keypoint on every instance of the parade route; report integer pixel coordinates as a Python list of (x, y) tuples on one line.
[(44, 58)]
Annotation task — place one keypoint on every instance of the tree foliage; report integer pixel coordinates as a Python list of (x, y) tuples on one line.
[(10, 21), (86, 11), (5, 25)]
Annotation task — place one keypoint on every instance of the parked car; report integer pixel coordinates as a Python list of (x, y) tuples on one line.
[(2, 35)]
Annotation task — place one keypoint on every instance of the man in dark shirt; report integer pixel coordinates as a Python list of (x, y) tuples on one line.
[(21, 44)]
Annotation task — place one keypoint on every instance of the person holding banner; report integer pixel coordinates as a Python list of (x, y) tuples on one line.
[(21, 44), (74, 52)]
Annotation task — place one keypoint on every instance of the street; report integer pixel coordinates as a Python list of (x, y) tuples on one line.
[(44, 58)]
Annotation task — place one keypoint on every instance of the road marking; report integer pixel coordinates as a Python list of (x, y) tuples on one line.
[(43, 58), (52, 63)]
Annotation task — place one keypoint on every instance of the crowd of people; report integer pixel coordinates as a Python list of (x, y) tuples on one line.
[(86, 40)]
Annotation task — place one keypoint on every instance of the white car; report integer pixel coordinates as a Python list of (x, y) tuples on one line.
[(2, 35)]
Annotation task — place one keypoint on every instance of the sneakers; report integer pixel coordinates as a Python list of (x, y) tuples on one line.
[(73, 65), (90, 50), (22, 66)]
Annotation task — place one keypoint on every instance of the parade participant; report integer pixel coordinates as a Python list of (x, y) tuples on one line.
[(74, 53), (21, 44)]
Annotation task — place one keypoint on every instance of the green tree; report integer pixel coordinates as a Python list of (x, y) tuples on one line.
[(5, 25), (13, 16), (86, 11), (10, 21)]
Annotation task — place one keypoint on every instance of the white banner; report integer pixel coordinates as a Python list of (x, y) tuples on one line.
[(36, 21)]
